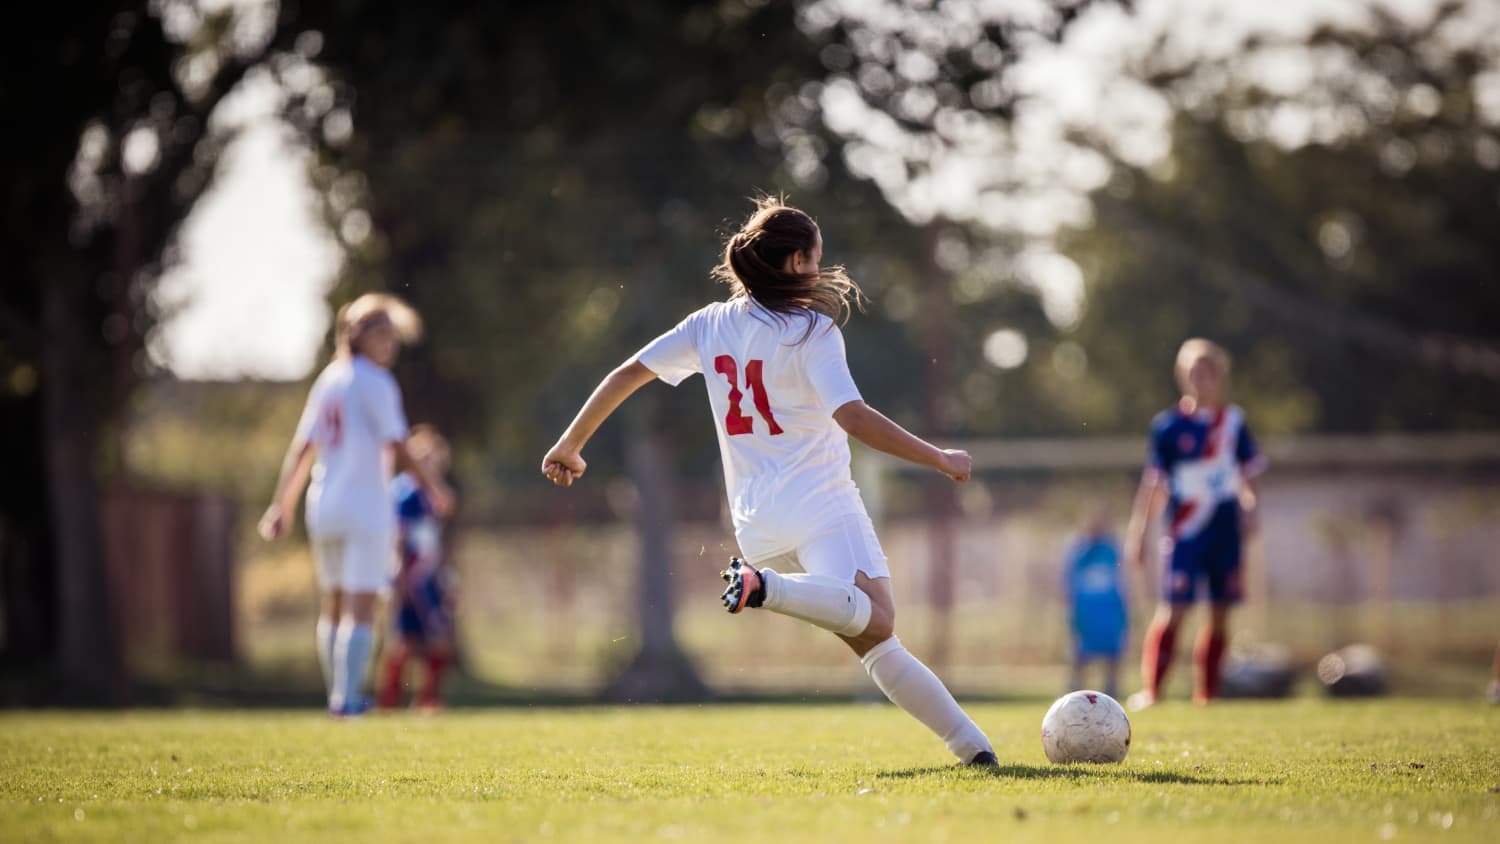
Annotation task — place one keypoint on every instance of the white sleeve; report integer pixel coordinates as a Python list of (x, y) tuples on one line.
[(828, 368), (674, 355), (312, 412), (383, 402)]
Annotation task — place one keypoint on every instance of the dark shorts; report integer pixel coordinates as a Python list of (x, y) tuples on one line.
[(421, 612), (1211, 557)]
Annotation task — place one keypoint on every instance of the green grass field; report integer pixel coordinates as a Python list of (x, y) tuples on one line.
[(1305, 770)]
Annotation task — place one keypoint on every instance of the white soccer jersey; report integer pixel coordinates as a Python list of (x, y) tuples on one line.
[(353, 413), (786, 462)]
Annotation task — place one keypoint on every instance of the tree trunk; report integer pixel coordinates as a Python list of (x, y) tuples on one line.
[(89, 647), (27, 582), (660, 671)]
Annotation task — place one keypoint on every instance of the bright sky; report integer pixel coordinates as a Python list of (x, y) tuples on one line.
[(248, 297), (257, 263)]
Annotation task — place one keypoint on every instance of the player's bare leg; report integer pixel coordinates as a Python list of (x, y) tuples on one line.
[(1112, 677), (331, 606), (1208, 654), (908, 683), (1075, 673), (1157, 651)]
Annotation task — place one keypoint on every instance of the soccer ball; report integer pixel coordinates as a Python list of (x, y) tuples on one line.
[(1086, 727)]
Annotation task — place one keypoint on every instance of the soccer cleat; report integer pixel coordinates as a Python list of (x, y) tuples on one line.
[(745, 586), (983, 759), (1140, 700), (350, 709)]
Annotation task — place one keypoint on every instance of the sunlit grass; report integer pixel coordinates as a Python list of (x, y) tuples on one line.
[(1300, 771)]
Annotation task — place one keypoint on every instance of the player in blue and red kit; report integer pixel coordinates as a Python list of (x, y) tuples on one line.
[(1202, 463), (423, 595)]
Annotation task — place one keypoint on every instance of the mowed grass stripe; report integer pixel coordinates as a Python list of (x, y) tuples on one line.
[(1306, 770)]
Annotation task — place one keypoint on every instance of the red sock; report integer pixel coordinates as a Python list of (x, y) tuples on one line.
[(436, 662), (1156, 656), (1208, 656), (390, 689)]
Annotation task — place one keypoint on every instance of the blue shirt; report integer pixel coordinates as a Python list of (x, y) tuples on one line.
[(1094, 583)]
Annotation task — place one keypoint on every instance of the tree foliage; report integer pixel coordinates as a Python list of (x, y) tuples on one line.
[(1338, 236)]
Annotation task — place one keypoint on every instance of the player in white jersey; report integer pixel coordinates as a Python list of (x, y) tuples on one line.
[(352, 425), (784, 406)]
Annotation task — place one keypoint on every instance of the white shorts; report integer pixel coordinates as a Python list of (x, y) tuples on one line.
[(847, 546), (361, 562)]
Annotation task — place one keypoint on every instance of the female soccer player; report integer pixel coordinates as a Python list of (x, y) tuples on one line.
[(784, 405), (353, 416)]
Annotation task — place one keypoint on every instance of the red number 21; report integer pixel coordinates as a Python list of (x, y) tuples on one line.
[(736, 422)]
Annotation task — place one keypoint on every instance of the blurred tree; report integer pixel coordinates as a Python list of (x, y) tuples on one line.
[(549, 189), (1338, 237), (110, 146), (1326, 209)]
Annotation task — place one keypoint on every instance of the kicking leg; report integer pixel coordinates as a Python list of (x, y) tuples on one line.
[(827, 602), (908, 683)]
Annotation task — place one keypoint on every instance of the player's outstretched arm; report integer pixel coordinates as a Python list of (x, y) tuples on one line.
[(295, 469), (871, 427), (1150, 497), (564, 462)]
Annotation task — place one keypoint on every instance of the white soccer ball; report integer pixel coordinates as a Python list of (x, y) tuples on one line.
[(1086, 726)]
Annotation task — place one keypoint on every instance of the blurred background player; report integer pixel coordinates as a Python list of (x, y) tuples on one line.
[(422, 609), (1096, 600), (352, 423), (1201, 463)]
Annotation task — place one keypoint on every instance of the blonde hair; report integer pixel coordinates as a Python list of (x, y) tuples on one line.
[(1191, 351), (424, 439), (372, 309)]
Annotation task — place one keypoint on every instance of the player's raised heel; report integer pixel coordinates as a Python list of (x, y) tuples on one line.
[(745, 586)]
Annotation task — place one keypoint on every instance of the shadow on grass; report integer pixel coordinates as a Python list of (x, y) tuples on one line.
[(1070, 772)]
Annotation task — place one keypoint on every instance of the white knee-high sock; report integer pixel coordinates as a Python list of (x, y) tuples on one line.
[(351, 655), (826, 602), (913, 687), (325, 652)]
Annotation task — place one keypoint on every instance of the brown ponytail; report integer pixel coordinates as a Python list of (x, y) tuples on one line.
[(754, 266)]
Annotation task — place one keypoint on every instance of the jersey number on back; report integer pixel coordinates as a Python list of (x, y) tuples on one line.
[(333, 423), (736, 422)]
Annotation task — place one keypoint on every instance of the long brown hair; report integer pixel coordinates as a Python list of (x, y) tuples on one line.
[(754, 266)]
